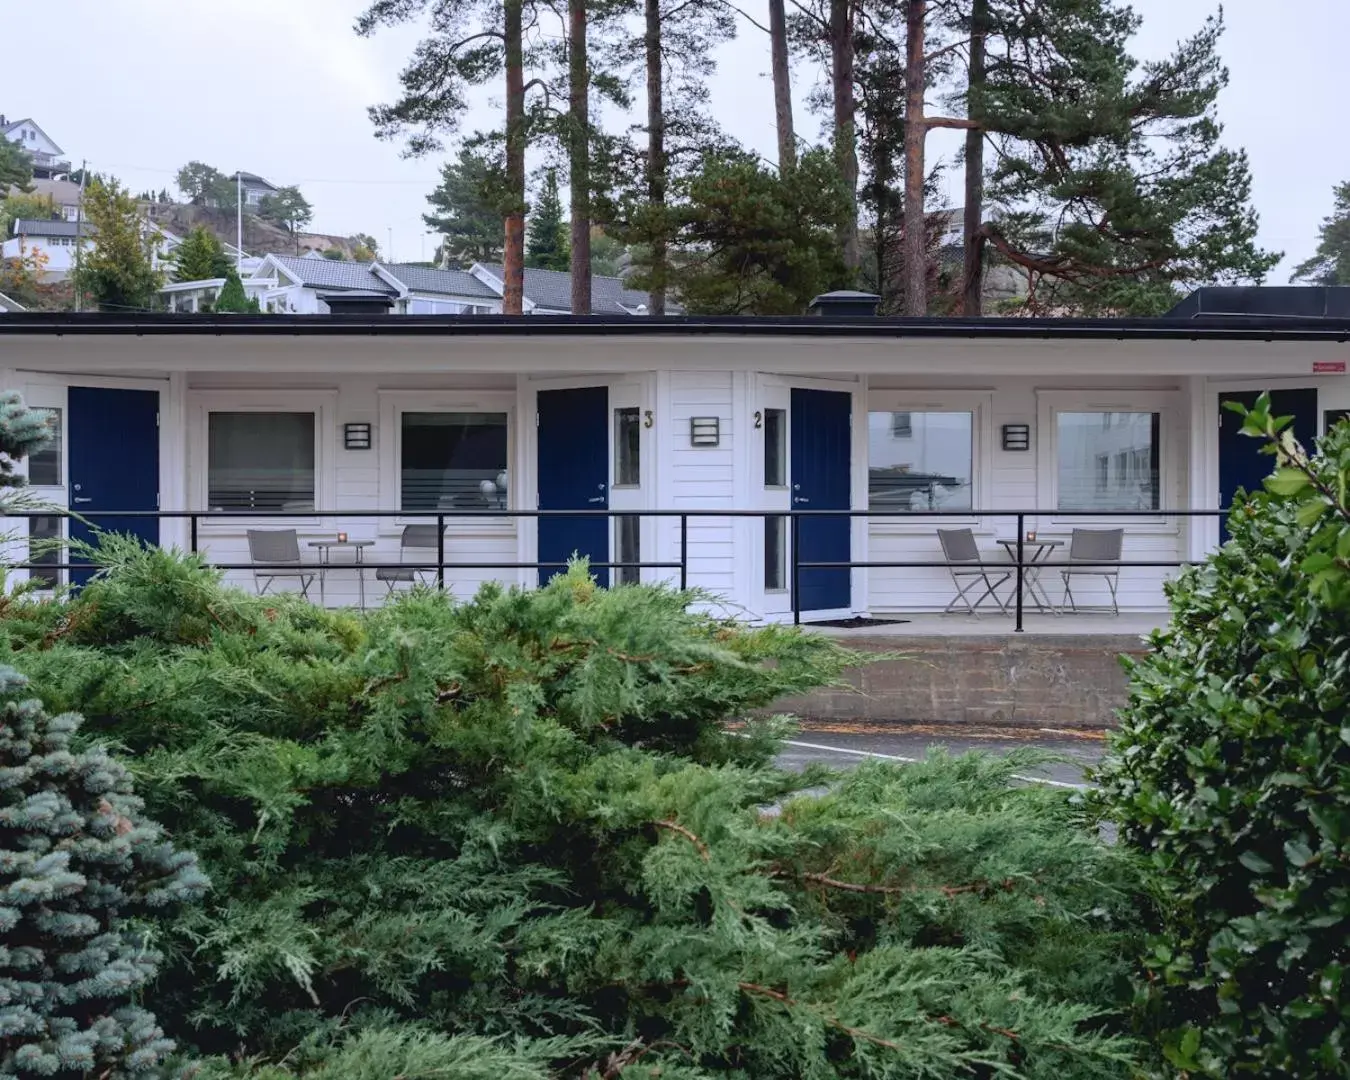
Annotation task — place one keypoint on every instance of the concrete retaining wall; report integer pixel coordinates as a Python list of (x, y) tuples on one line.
[(1041, 680)]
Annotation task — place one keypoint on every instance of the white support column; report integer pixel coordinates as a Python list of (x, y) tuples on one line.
[(523, 491), (1202, 489), (173, 460), (743, 528), (663, 483), (860, 532)]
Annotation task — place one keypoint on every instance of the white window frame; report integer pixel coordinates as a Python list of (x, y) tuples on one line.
[(322, 403), (980, 404), (393, 404), (1172, 437)]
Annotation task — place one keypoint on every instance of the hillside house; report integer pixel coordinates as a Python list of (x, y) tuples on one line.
[(49, 160), (755, 429), (58, 240)]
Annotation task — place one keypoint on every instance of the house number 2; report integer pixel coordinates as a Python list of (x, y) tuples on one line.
[(759, 420)]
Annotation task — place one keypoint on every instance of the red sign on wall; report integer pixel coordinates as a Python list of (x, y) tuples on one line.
[(1328, 367)]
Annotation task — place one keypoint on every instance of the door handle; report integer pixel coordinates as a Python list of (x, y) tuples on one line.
[(799, 499), (598, 498), (80, 500)]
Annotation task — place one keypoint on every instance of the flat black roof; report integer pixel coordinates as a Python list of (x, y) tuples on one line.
[(1266, 301), (1249, 328)]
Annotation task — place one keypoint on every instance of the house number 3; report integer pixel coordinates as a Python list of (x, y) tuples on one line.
[(759, 420)]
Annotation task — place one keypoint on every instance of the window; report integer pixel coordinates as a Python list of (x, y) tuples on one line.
[(44, 467), (260, 461), (627, 447), (775, 553), (775, 448), (924, 462), (630, 549), (1108, 460), (44, 549), (453, 460)]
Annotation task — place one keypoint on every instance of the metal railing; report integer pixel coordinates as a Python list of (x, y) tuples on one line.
[(1025, 571)]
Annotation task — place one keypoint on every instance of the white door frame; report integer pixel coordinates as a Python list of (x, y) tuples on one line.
[(628, 390), (775, 391)]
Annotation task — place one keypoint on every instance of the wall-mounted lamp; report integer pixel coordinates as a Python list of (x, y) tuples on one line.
[(704, 431), (356, 436), (1016, 436)]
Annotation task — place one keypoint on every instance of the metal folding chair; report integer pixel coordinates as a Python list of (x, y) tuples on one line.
[(1093, 546), (964, 562), (279, 552), (415, 538)]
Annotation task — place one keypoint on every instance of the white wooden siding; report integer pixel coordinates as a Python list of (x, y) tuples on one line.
[(702, 477)]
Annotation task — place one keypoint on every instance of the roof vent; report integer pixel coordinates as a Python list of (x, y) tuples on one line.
[(845, 302)]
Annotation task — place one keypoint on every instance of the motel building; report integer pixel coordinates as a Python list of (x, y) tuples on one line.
[(338, 432)]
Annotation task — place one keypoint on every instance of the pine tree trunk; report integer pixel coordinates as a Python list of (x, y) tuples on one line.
[(513, 255), (845, 133), (916, 235), (656, 155), (972, 299), (782, 86), (580, 175)]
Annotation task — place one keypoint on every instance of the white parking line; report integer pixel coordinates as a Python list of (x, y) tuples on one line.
[(915, 761)]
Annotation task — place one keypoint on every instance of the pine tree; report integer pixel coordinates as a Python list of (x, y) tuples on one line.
[(1330, 264), (749, 241), (467, 204), (1115, 192), (548, 247), (200, 257), (453, 56), (23, 431), (117, 272), (80, 862), (16, 167), (232, 299)]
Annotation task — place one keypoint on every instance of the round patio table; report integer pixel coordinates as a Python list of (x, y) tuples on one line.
[(1039, 551), (325, 548)]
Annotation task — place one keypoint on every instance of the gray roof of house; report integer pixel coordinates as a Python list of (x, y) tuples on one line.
[(254, 179), (53, 227), (423, 279), (331, 274), (552, 289)]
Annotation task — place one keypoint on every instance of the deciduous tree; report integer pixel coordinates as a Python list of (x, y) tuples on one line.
[(201, 184), (288, 208)]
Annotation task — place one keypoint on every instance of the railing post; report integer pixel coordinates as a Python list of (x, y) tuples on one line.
[(796, 570), (1021, 538), (440, 551), (192, 534), (684, 552)]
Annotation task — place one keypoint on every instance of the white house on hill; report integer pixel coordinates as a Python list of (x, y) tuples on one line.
[(784, 442), (48, 158)]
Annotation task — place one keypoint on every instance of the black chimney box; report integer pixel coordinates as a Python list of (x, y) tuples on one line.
[(845, 302)]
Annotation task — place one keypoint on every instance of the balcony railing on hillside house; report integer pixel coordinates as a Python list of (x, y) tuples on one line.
[(1022, 555)]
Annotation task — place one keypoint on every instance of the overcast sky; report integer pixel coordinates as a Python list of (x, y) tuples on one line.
[(280, 88)]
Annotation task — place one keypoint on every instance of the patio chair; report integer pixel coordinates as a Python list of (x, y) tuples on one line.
[(420, 538), (278, 550), (1093, 546), (964, 563)]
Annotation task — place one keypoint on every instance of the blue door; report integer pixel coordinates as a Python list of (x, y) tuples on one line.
[(574, 475), (821, 464), (114, 463), (1242, 466)]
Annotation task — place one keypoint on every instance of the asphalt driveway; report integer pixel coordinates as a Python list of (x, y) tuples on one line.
[(840, 745)]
